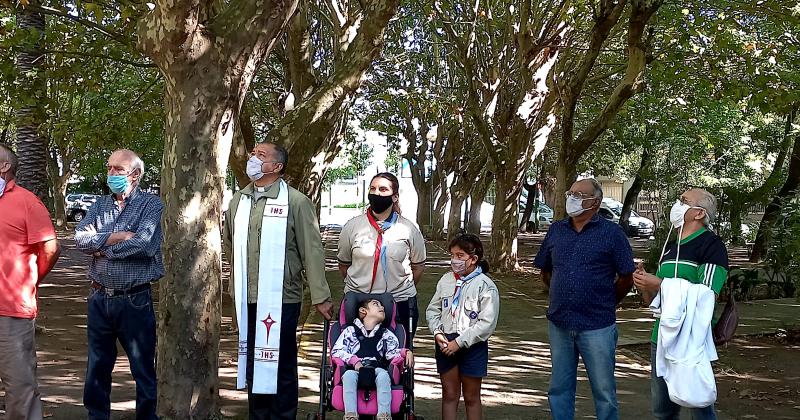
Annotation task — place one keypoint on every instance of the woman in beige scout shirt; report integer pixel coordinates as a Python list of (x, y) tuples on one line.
[(381, 251)]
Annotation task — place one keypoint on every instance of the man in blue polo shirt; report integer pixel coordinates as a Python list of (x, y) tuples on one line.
[(587, 263)]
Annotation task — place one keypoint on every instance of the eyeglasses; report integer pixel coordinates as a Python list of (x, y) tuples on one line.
[(579, 195)]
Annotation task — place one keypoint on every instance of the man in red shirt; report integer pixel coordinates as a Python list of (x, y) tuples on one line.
[(28, 252)]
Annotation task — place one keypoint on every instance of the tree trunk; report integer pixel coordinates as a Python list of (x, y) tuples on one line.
[(636, 187), (459, 192), (311, 131), (566, 174), (438, 216), (309, 163), (530, 203), (512, 120), (469, 166), (188, 363), (773, 210), (424, 211), (508, 186), (59, 205), (208, 53), (243, 142), (735, 210), (430, 217), (454, 218), (476, 197), (739, 201), (31, 141), (59, 182), (572, 147)]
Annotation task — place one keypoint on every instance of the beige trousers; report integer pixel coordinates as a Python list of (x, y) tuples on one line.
[(18, 369)]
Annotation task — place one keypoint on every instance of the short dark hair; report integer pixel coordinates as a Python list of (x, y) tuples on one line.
[(10, 157), (364, 304), (281, 154), (472, 245)]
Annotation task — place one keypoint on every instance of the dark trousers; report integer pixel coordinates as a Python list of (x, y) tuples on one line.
[(405, 310), (284, 404), (131, 320)]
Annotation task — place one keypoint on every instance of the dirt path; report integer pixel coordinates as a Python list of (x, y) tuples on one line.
[(757, 377)]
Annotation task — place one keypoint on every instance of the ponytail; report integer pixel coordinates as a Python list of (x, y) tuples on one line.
[(484, 265)]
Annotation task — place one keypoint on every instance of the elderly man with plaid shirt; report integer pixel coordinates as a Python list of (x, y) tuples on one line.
[(122, 232)]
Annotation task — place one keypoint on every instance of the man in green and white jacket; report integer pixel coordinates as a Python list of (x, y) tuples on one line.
[(701, 258)]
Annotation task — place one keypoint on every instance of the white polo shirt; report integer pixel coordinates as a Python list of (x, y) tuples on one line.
[(404, 246)]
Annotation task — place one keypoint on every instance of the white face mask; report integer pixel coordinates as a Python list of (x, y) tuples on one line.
[(575, 206), (254, 168), (678, 212), (2, 186)]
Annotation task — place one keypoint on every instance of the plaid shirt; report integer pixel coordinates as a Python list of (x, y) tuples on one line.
[(128, 263)]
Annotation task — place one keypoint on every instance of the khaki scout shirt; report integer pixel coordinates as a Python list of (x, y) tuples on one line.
[(404, 246), (476, 315), (305, 258)]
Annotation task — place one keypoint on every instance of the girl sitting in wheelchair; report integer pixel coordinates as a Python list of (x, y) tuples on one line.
[(368, 349)]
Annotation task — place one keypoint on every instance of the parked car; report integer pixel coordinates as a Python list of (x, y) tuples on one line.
[(70, 199), (78, 204), (545, 216), (638, 226)]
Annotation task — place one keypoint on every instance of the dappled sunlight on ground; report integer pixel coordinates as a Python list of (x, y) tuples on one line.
[(757, 377)]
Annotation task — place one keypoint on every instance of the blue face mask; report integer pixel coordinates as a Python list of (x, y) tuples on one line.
[(118, 183)]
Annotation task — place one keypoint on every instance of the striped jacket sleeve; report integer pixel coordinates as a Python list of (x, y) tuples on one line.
[(713, 276), (713, 267)]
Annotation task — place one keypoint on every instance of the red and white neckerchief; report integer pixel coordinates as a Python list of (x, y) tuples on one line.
[(380, 247)]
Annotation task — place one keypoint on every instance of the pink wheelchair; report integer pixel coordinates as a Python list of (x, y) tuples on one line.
[(332, 369)]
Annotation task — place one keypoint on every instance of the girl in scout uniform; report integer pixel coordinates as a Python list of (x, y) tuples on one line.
[(462, 316)]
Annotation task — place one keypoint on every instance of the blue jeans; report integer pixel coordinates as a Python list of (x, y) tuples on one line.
[(663, 407), (597, 349), (383, 386), (131, 320)]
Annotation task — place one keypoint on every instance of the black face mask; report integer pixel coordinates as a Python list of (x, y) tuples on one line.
[(379, 203)]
